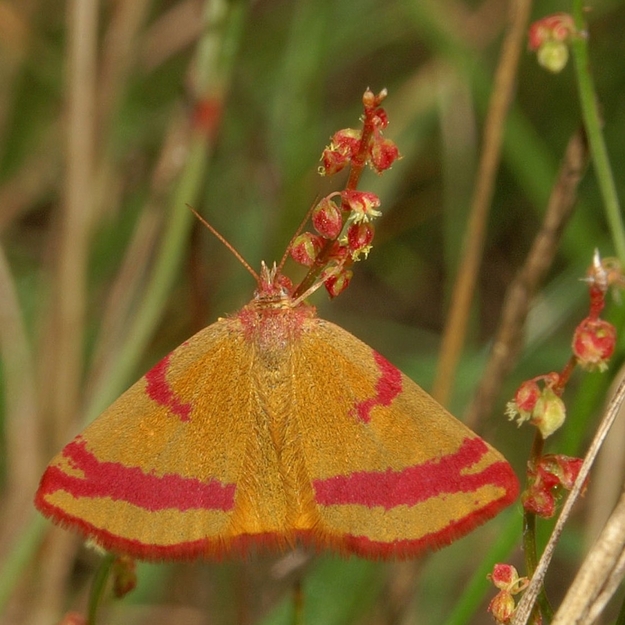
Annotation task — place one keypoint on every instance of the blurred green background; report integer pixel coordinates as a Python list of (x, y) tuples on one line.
[(114, 115)]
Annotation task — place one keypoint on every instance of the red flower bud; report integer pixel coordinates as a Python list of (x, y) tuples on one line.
[(382, 154), (336, 283), (344, 145), (359, 237), (543, 408), (539, 501), (506, 578), (327, 219), (207, 115), (379, 118), (552, 473), (305, 248), (593, 343), (556, 27), (332, 162), (362, 204), (502, 607), (565, 469), (527, 395), (549, 37), (339, 252)]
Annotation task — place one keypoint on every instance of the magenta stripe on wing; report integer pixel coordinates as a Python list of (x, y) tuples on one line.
[(412, 485), (387, 387), (145, 490), (160, 391)]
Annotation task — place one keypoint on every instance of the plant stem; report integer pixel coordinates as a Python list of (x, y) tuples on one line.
[(98, 587), (592, 123), (529, 532)]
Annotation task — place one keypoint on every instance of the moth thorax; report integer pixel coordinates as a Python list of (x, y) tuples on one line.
[(276, 329), (277, 301)]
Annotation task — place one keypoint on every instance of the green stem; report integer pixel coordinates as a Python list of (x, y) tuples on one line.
[(529, 533), (298, 603), (620, 619), (592, 123), (98, 587), (529, 519)]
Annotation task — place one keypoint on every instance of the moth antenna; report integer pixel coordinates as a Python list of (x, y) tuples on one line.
[(226, 243), (297, 233)]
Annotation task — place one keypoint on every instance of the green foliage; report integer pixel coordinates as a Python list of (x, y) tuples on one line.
[(284, 76)]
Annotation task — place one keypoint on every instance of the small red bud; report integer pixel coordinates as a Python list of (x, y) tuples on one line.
[(539, 500), (380, 118), (344, 145), (339, 252), (382, 154), (594, 342), (550, 37), (503, 575), (552, 473), (359, 237), (327, 219), (336, 283), (527, 395), (556, 27), (502, 607), (333, 161), (305, 248), (565, 469), (506, 578), (543, 408), (362, 204)]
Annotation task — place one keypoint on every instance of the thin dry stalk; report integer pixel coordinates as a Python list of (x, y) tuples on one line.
[(65, 340), (509, 336), (599, 576), (464, 287), (526, 605), (119, 55), (63, 349), (175, 29), (609, 471)]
